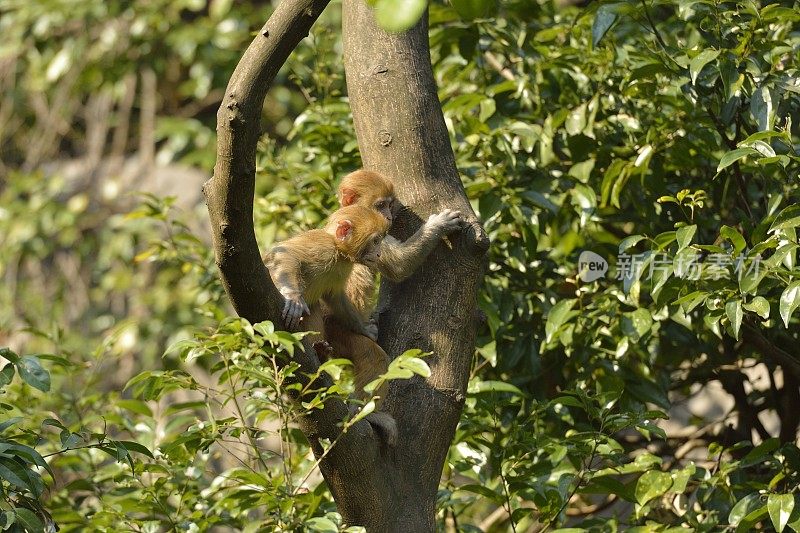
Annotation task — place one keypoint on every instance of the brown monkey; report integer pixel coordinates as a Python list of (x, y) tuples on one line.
[(397, 260), (316, 264), (312, 269)]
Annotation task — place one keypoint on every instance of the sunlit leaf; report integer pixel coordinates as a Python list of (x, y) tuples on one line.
[(700, 60), (760, 306), (399, 15), (32, 373), (780, 508), (733, 310), (733, 156), (790, 299), (652, 484)]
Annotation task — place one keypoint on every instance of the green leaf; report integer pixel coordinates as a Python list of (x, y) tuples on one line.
[(576, 120), (135, 406), (416, 365), (734, 236), (7, 375), (780, 508), (14, 473), (789, 301), (760, 453), (762, 108), (321, 525), (743, 507), (558, 315), (691, 300), (652, 484), (399, 15), (136, 447), (33, 374), (700, 60), (603, 20), (760, 306), (777, 12), (762, 148), (787, 218), (27, 454), (685, 235), (484, 491), (6, 353), (635, 324), (734, 312), (8, 423), (478, 387), (681, 478), (334, 367), (473, 9), (29, 521), (368, 408), (487, 107), (733, 156), (582, 171), (750, 281), (629, 242)]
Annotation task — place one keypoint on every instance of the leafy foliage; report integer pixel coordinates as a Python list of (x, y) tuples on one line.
[(660, 136)]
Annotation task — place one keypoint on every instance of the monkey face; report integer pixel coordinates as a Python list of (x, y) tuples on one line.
[(372, 251), (385, 206)]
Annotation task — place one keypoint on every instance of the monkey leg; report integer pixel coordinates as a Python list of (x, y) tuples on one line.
[(369, 360)]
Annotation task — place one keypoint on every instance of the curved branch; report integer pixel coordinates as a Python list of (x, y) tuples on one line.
[(229, 197)]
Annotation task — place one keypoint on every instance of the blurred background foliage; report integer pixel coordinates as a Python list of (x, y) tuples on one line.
[(662, 136)]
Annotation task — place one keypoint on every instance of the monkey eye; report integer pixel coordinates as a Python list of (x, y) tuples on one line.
[(380, 205)]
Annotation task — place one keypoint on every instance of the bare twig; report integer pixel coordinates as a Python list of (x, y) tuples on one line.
[(495, 63)]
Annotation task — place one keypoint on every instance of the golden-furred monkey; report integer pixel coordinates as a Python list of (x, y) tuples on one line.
[(312, 269), (397, 260)]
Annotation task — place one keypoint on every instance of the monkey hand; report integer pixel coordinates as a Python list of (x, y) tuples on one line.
[(371, 329), (294, 308), (323, 349), (445, 222)]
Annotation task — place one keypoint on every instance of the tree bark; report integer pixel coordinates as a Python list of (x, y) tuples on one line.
[(401, 133)]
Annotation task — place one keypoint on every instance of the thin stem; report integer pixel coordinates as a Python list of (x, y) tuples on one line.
[(247, 431)]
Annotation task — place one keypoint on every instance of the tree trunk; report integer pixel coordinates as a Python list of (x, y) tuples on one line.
[(402, 134)]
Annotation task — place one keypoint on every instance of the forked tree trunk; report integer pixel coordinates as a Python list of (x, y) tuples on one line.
[(401, 133)]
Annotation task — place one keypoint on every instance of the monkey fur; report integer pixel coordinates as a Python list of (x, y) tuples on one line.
[(311, 271)]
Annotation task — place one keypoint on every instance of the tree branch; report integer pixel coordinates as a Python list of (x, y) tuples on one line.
[(229, 197), (754, 337)]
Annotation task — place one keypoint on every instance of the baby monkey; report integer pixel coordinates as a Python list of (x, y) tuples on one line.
[(311, 271), (397, 260), (315, 265)]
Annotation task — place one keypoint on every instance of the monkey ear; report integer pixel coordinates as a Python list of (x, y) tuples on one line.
[(343, 229), (349, 196)]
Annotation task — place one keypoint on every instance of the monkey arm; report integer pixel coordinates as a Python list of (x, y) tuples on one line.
[(285, 269), (398, 260)]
